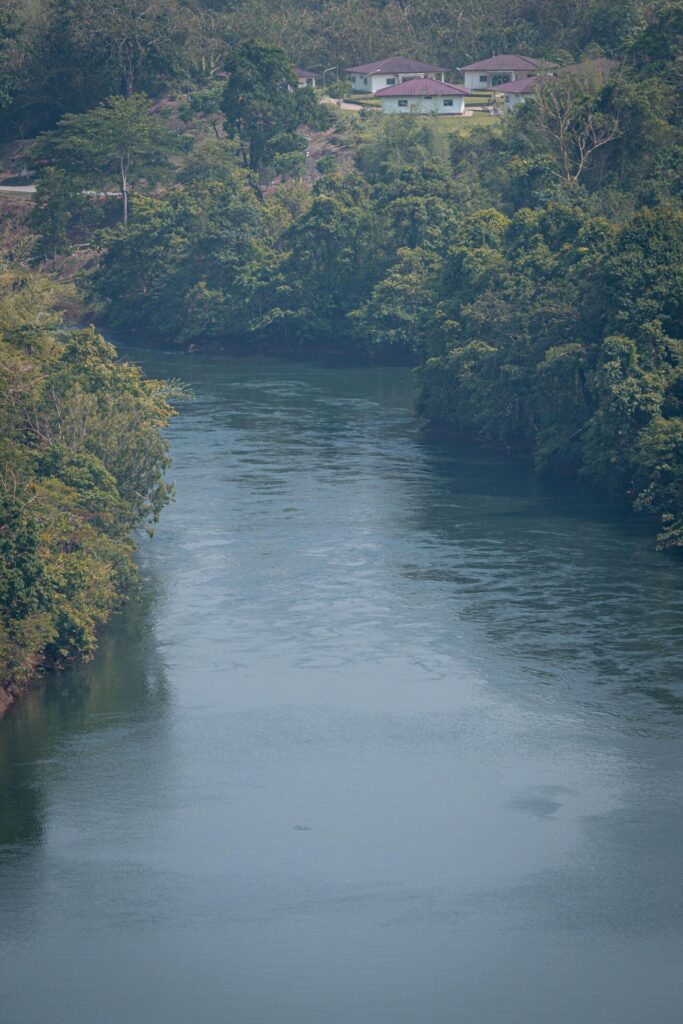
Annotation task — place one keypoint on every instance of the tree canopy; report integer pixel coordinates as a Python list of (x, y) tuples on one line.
[(113, 146), (531, 269), (263, 107), (82, 461)]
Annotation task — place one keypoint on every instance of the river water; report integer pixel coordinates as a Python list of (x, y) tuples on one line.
[(393, 736)]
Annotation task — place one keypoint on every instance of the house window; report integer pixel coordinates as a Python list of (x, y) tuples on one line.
[(403, 103), (391, 81), (483, 78), (448, 103)]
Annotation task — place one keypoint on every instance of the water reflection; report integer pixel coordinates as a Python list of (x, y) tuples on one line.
[(125, 682), (598, 610)]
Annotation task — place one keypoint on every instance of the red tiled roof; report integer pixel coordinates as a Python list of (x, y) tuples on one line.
[(398, 66), (423, 87), (507, 62), (303, 73), (524, 85)]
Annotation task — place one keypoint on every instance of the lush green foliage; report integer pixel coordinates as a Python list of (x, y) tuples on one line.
[(61, 213), (195, 264), (82, 462), (264, 108), (534, 272), (115, 145), (561, 335)]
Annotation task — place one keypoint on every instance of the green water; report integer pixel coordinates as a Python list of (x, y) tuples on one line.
[(393, 736)]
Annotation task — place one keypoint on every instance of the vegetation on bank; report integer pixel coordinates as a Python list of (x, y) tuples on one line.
[(82, 461), (534, 273)]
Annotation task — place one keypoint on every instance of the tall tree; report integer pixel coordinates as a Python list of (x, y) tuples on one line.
[(119, 143), (118, 46), (263, 107), (60, 208), (573, 125)]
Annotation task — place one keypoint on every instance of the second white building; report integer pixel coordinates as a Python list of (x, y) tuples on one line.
[(423, 96)]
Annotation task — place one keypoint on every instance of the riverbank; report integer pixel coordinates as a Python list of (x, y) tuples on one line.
[(15, 690), (82, 463), (518, 451)]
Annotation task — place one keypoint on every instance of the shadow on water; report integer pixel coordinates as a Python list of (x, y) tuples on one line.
[(83, 701), (562, 582)]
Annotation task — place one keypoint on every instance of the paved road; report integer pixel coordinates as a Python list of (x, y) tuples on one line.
[(30, 190)]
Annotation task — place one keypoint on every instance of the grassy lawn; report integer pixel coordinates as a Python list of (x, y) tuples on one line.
[(467, 124), (365, 100), (443, 124)]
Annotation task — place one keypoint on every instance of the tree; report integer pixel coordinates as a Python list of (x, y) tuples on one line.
[(103, 47), (195, 264), (10, 51), (82, 461), (394, 145), (398, 314), (60, 208), (258, 101), (573, 124), (262, 105), (659, 43), (214, 160), (322, 269), (118, 143), (143, 42)]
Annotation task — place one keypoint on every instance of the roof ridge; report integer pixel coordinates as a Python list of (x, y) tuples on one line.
[(423, 87)]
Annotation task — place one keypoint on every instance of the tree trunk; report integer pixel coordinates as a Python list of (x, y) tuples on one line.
[(124, 194)]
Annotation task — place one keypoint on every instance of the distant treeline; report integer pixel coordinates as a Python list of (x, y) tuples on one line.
[(65, 56)]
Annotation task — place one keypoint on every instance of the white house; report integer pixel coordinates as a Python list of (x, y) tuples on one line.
[(306, 78), (592, 73), (393, 71), (516, 93), (506, 67), (423, 96)]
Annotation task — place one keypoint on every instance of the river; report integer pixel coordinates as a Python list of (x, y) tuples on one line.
[(392, 736)]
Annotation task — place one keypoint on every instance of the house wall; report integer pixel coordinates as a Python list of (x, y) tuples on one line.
[(360, 83), (485, 79), (513, 100), (371, 83), (422, 105), (382, 81)]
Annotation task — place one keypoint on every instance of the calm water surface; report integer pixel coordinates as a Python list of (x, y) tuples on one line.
[(392, 737)]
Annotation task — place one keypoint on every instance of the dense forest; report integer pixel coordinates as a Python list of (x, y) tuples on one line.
[(65, 56), (529, 267)]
